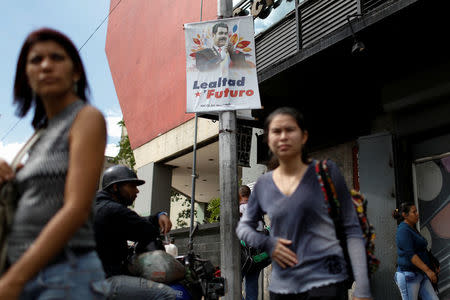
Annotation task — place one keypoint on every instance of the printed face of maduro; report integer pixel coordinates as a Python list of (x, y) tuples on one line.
[(221, 37)]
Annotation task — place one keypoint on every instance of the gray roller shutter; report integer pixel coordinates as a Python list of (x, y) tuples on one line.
[(319, 18)]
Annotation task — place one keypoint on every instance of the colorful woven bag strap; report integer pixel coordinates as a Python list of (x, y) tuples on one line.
[(328, 189)]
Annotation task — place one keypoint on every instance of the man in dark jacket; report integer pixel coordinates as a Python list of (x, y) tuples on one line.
[(115, 224)]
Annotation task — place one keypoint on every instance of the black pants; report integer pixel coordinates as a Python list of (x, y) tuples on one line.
[(336, 291)]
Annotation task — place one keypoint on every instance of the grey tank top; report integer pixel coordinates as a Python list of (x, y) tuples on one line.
[(41, 184)]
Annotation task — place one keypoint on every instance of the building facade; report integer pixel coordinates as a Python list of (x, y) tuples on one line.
[(381, 109)]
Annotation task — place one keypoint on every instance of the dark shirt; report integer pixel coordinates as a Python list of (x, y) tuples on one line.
[(114, 225), (410, 242), (209, 59)]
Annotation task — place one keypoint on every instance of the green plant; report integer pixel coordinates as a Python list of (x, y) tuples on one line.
[(185, 213), (213, 209), (125, 155)]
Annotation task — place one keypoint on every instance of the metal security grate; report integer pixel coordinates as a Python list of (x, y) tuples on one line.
[(277, 44), (368, 5), (321, 17)]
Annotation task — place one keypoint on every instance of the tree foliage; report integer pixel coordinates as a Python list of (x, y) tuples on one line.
[(185, 213), (213, 209), (125, 155)]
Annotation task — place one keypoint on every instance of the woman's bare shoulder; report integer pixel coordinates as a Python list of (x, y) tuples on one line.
[(89, 119), (89, 111)]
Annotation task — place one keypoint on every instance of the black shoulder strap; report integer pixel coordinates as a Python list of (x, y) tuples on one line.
[(328, 186)]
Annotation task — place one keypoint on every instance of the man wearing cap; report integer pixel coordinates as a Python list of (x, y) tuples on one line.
[(115, 224)]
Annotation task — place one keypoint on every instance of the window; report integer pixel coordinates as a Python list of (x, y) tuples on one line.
[(271, 15)]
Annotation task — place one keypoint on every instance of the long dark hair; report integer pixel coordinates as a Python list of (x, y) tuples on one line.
[(299, 119), (23, 94), (405, 207)]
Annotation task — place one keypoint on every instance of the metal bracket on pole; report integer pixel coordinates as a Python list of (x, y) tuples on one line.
[(226, 130)]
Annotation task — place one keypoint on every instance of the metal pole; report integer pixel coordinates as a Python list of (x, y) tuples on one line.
[(224, 8), (194, 177), (229, 207), (201, 10), (194, 167), (230, 257)]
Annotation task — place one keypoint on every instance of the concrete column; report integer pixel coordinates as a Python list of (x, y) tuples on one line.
[(154, 195)]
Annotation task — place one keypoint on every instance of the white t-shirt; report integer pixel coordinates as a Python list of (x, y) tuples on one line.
[(242, 208)]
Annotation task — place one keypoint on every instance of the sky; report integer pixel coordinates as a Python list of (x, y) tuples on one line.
[(81, 21), (78, 19)]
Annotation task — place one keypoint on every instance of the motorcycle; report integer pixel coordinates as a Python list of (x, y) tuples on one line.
[(201, 278)]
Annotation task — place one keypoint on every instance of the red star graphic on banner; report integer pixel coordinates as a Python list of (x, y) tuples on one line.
[(198, 94)]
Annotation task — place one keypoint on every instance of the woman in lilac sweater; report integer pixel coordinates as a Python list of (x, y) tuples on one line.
[(307, 260)]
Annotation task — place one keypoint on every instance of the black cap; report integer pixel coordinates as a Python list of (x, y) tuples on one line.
[(118, 174)]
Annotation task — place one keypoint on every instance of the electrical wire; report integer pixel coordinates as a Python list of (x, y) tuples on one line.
[(11, 129), (98, 27)]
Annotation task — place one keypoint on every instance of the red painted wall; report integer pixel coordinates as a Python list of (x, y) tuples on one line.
[(146, 55)]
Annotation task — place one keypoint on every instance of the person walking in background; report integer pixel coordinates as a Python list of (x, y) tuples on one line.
[(414, 276), (244, 194), (51, 246), (251, 278), (307, 259)]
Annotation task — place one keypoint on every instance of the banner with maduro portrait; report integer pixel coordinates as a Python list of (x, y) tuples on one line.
[(221, 65)]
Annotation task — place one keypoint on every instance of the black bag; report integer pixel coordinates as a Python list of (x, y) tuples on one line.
[(253, 259), (435, 265), (8, 201)]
